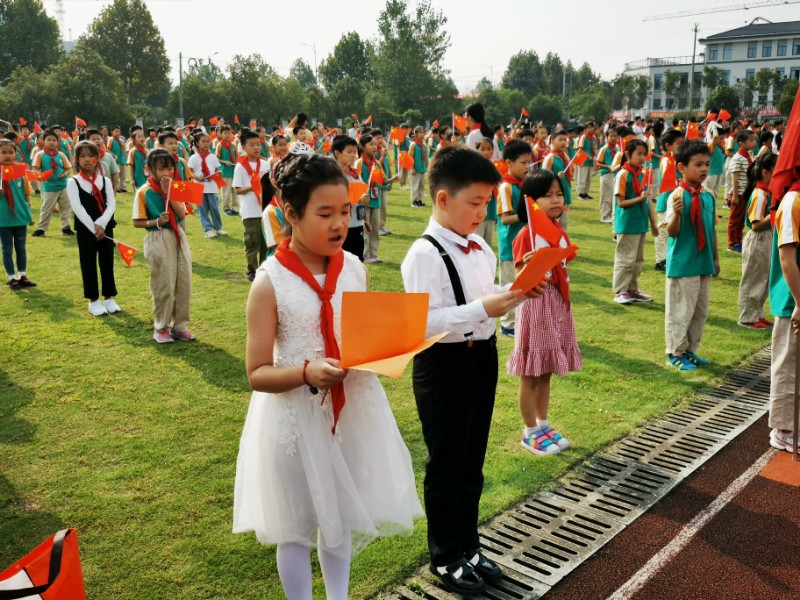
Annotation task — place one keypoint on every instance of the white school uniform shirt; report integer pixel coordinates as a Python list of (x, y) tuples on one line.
[(196, 165), (250, 204), (77, 207), (424, 271), (473, 138)]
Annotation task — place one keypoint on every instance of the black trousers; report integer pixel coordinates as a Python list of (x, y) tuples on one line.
[(354, 242), (455, 385), (93, 253)]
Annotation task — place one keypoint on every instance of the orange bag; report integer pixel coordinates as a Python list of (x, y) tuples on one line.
[(52, 571)]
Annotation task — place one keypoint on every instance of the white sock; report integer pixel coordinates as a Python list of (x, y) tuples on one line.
[(11, 277), (23, 273), (541, 423), (529, 430), (294, 569), (335, 566)]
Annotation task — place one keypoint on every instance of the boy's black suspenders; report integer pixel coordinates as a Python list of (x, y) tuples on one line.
[(455, 280)]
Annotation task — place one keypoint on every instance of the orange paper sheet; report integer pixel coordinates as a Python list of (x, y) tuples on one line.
[(356, 190), (382, 331), (534, 272)]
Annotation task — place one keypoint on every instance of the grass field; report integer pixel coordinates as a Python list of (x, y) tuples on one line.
[(135, 444)]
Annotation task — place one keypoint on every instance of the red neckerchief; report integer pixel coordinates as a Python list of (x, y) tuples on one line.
[(637, 183), (177, 174), (563, 156), (101, 150), (203, 165), (508, 178), (422, 151), (173, 221), (696, 214), (289, 259), (9, 196), (245, 162), (96, 193), (475, 126), (746, 154), (141, 150), (229, 147), (762, 186)]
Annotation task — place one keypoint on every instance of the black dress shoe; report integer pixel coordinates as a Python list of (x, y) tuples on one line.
[(460, 577), (484, 567)]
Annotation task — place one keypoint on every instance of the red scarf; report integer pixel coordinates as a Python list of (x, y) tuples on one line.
[(173, 221), (203, 165), (9, 196), (287, 257), (422, 151), (143, 151), (177, 174), (245, 162), (637, 182), (564, 157), (475, 126), (96, 193), (508, 178), (746, 154), (229, 147), (696, 213), (370, 164)]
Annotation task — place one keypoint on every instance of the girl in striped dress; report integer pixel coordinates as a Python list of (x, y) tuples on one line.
[(545, 340)]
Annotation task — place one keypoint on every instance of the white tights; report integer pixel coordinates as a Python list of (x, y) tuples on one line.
[(294, 569)]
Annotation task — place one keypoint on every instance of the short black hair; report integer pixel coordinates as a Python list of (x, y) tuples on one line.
[(536, 185), (159, 158), (672, 136), (90, 132), (457, 167), (247, 134), (298, 176), (340, 142), (168, 135), (691, 149), (743, 136), (86, 145), (516, 148)]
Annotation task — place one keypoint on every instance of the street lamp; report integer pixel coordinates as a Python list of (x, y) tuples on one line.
[(314, 48), (191, 64)]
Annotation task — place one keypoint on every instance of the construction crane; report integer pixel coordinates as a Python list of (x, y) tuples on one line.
[(717, 9)]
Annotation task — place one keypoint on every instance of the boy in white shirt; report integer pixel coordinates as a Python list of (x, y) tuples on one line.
[(247, 174)]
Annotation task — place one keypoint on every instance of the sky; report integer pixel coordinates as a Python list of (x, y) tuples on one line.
[(484, 35)]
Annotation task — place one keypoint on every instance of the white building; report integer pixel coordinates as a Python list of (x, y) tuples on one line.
[(739, 53)]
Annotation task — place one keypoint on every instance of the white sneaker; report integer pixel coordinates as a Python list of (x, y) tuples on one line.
[(97, 308), (111, 305), (782, 440), (222, 232), (211, 233)]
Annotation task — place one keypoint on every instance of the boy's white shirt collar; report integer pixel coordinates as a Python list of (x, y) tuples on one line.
[(452, 236)]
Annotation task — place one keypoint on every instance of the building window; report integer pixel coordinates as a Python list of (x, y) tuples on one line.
[(766, 50), (795, 47), (684, 79), (750, 73), (726, 77), (752, 49), (658, 78), (713, 53), (698, 79), (727, 51), (781, 48), (670, 103), (656, 103), (794, 73), (781, 72)]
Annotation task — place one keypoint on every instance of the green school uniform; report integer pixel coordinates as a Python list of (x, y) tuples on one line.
[(588, 147), (420, 158), (717, 166), (571, 148), (632, 219), (181, 166), (383, 163), (66, 146), (507, 233), (501, 145), (683, 259), (26, 147), (139, 163), (57, 164), (263, 151), (187, 150), (558, 166), (374, 190), (780, 298), (155, 205), (228, 154), (405, 144), (491, 210), (117, 148), (151, 143), (22, 211), (606, 157)]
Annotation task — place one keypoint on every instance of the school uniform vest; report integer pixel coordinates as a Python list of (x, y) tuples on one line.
[(228, 154), (118, 150), (138, 164), (57, 164), (90, 204)]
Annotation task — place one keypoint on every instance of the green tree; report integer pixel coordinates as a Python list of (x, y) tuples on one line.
[(31, 38), (252, 89), (763, 82), (724, 96), (622, 91), (524, 73), (201, 97), (583, 77), (349, 58), (788, 97), (640, 90), (303, 73), (592, 104), (713, 77), (672, 86), (129, 42), (553, 71), (27, 94), (548, 109)]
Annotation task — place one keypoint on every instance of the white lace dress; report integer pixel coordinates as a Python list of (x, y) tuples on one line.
[(293, 476)]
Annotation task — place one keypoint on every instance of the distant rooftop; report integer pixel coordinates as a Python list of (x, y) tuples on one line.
[(664, 62), (756, 30)]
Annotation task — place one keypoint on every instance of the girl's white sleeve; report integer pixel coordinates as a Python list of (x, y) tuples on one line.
[(77, 207), (111, 204)]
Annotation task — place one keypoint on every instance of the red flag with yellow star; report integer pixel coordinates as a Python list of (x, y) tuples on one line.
[(126, 253), (15, 171), (186, 191)]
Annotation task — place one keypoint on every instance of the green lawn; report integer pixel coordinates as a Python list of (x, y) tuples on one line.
[(135, 444)]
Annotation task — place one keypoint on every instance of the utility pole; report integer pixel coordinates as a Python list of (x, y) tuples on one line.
[(180, 86), (564, 81), (691, 78)]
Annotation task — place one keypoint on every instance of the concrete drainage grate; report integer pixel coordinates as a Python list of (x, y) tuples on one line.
[(539, 541)]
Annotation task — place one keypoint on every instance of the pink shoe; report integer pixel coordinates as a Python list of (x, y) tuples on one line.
[(163, 337), (183, 336)]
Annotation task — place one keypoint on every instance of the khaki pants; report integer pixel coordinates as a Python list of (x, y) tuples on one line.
[(507, 275), (384, 202), (661, 239), (417, 187), (754, 287), (486, 230), (122, 171), (628, 261), (255, 246), (170, 278), (781, 387), (607, 197), (49, 201), (403, 176), (230, 200), (713, 183), (374, 236), (563, 220), (584, 180), (686, 312), (655, 184)]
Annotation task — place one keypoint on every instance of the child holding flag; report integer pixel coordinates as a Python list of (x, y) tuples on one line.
[(545, 340), (204, 166), (670, 179), (137, 158), (92, 198), (382, 154), (371, 174), (247, 184), (632, 212), (15, 216), (692, 257), (607, 170), (420, 168), (556, 160), (52, 165), (228, 158), (587, 144), (166, 249)]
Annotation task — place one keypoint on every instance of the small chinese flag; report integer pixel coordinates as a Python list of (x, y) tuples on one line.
[(356, 190), (326, 147), (236, 119), (649, 157), (36, 128), (397, 134), (435, 123), (580, 157), (126, 253), (355, 116), (368, 121), (724, 115), (525, 112), (501, 167), (541, 225), (377, 175), (213, 120), (186, 191), (44, 175), (711, 116), (22, 121), (189, 209), (253, 124), (406, 161), (669, 180), (79, 122), (30, 175), (691, 131), (647, 180), (218, 179), (15, 171), (459, 122), (255, 183)]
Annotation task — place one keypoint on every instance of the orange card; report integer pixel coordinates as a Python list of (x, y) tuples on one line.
[(535, 271), (356, 190), (382, 331)]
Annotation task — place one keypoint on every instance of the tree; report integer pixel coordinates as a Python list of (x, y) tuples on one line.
[(672, 84), (349, 58), (588, 105), (763, 82), (524, 73), (483, 84), (201, 97), (129, 42), (713, 77), (251, 89), (31, 38), (788, 96), (27, 94), (303, 73), (546, 108), (640, 90), (622, 91), (726, 97), (553, 71)]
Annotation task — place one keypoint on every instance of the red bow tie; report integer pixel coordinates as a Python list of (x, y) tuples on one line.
[(472, 245)]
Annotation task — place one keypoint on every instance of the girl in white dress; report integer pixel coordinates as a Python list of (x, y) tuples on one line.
[(321, 461)]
